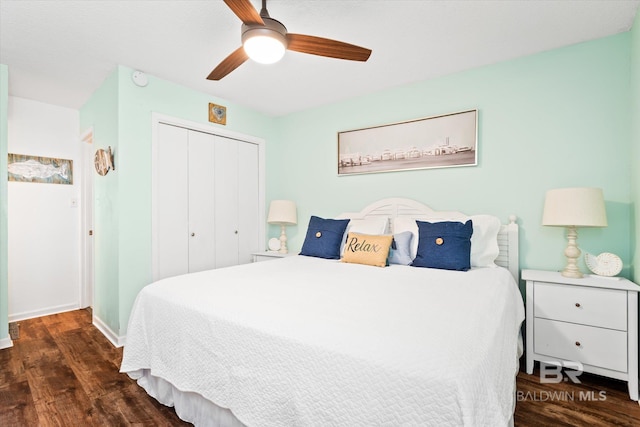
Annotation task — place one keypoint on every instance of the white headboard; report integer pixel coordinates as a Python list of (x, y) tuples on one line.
[(399, 207)]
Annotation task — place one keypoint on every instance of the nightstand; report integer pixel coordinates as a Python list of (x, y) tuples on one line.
[(269, 255), (593, 320)]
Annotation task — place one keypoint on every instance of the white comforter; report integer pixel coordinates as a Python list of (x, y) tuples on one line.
[(303, 341)]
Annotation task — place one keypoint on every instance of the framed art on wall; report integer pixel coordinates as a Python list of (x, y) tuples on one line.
[(448, 140), (24, 168), (217, 114)]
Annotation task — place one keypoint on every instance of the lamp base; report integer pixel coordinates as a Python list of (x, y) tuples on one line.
[(571, 273), (283, 240), (572, 253)]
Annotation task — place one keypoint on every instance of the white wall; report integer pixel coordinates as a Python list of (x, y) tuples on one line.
[(44, 228)]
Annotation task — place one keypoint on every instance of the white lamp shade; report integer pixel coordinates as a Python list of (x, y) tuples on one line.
[(580, 207), (282, 212)]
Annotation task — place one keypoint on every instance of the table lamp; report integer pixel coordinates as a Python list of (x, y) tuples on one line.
[(283, 213), (572, 208)]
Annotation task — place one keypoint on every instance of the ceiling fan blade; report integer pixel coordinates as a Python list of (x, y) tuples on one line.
[(245, 11), (327, 47), (229, 64)]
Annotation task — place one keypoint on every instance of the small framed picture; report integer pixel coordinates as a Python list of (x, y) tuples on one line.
[(217, 114)]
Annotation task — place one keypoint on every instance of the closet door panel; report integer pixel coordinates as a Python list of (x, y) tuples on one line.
[(172, 201), (226, 201), (201, 202), (248, 192)]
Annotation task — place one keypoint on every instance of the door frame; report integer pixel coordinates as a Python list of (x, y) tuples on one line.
[(87, 277), (156, 120)]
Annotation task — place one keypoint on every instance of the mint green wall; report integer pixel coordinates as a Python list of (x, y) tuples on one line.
[(101, 113), (635, 141), (136, 106), (555, 119), (550, 120), (4, 277), (130, 198)]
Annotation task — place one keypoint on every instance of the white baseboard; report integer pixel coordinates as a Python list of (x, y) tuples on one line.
[(117, 341), (5, 343), (42, 312)]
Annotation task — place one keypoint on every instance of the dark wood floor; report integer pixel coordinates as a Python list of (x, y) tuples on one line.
[(596, 402), (63, 372)]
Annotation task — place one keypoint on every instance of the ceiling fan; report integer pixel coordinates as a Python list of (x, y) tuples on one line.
[(265, 40)]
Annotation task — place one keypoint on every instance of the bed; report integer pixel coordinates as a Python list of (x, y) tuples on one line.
[(307, 341)]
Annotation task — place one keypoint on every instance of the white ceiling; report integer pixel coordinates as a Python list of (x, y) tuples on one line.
[(59, 52)]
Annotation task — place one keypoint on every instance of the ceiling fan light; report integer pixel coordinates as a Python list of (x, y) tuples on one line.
[(266, 43), (264, 49)]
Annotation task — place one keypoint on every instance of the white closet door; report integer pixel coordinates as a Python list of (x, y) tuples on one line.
[(227, 200), (248, 193), (206, 201), (172, 201), (202, 254)]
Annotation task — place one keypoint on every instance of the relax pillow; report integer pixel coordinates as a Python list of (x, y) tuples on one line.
[(373, 226), (400, 252), (484, 241), (324, 237), (445, 245), (367, 249)]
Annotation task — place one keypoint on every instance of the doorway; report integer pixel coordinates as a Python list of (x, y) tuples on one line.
[(87, 267)]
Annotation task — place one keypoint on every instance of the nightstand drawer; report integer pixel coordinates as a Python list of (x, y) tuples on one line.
[(606, 308), (600, 347)]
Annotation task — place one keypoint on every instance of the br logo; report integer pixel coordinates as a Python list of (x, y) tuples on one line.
[(551, 372)]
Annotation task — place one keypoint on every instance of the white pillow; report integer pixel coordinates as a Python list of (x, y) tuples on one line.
[(484, 240), (372, 226)]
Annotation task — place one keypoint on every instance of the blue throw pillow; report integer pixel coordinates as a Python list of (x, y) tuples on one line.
[(400, 252), (445, 245), (324, 237)]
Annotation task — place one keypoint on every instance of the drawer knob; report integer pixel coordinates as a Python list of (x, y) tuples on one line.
[(578, 344), (578, 304)]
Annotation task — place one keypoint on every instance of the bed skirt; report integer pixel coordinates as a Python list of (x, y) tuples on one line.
[(192, 407), (189, 406)]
